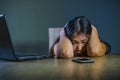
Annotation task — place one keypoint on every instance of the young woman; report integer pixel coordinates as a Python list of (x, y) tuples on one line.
[(79, 38)]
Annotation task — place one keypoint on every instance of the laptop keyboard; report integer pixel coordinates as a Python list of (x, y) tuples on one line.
[(34, 57)]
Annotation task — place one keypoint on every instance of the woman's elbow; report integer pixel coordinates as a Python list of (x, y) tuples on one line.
[(65, 55), (96, 53), (68, 55)]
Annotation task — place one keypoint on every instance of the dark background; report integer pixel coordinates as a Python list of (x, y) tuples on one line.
[(29, 20)]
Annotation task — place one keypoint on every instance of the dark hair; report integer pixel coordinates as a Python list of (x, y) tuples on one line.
[(78, 24), (81, 24)]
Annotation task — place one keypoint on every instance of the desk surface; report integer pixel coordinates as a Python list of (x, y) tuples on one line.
[(104, 68)]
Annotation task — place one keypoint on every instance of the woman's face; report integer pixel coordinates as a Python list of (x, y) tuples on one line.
[(79, 42)]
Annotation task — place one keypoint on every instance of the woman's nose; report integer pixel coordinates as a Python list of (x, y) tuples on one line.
[(79, 47)]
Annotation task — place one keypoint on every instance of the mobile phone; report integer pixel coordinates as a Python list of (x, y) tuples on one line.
[(83, 60)]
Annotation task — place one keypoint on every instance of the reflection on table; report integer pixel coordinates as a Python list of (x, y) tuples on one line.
[(104, 68)]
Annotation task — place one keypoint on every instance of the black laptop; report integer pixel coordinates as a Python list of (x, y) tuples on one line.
[(6, 47)]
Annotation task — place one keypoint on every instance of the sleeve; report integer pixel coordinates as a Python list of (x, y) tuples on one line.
[(108, 47)]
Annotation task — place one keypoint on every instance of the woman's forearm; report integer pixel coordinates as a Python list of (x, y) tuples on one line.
[(95, 47), (64, 46)]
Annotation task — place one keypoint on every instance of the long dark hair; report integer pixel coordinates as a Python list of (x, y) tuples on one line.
[(78, 24), (81, 24)]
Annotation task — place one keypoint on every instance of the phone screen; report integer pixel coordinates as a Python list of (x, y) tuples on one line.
[(83, 60)]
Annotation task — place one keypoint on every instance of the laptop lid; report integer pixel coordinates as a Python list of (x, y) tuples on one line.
[(6, 47)]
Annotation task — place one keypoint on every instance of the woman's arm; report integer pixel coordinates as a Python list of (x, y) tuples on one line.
[(63, 48), (95, 47)]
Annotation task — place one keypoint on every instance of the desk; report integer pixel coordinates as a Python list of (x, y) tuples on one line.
[(104, 68)]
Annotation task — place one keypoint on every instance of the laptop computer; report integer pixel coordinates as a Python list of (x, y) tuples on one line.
[(7, 51)]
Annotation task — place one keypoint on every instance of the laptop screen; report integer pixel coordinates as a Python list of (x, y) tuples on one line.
[(6, 48)]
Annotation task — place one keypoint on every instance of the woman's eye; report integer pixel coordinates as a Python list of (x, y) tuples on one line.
[(84, 42), (74, 42)]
